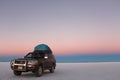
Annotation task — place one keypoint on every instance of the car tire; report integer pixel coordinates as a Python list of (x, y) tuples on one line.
[(17, 73), (52, 69), (39, 71)]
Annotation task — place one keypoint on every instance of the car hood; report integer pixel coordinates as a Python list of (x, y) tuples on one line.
[(25, 59)]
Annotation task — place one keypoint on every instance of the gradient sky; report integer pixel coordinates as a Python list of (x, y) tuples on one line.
[(67, 26)]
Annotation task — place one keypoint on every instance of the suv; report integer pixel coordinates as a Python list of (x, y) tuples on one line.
[(36, 62)]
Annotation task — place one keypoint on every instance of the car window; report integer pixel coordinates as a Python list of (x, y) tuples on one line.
[(28, 55)]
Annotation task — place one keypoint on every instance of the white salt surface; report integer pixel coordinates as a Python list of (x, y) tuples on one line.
[(68, 71)]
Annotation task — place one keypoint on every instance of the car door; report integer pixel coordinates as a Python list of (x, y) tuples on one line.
[(50, 60), (46, 61)]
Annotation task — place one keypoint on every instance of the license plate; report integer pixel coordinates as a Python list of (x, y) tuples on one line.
[(20, 68)]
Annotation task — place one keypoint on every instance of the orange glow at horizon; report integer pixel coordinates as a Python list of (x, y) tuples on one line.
[(61, 49)]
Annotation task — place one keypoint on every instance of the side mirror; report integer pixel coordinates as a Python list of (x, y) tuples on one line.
[(45, 57)]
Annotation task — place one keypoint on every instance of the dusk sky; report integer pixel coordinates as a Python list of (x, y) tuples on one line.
[(67, 26)]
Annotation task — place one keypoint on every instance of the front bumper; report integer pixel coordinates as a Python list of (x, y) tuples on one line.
[(19, 65), (22, 66)]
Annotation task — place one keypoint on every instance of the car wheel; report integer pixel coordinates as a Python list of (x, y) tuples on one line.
[(17, 73), (39, 71), (52, 69)]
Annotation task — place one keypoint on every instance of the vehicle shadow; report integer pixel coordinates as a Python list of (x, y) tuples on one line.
[(45, 74)]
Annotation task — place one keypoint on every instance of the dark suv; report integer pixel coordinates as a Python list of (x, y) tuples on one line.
[(36, 61)]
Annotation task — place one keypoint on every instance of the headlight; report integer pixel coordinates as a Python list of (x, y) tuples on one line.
[(32, 62), (12, 62)]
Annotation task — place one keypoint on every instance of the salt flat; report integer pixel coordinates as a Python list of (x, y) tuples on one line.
[(69, 71)]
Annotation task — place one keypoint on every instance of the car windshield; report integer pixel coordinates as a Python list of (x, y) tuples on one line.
[(33, 55)]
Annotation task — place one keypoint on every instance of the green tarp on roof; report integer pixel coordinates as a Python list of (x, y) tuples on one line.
[(42, 47)]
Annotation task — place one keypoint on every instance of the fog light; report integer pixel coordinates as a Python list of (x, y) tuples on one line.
[(30, 65)]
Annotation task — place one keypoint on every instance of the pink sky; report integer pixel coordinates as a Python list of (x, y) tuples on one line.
[(68, 27), (60, 48)]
